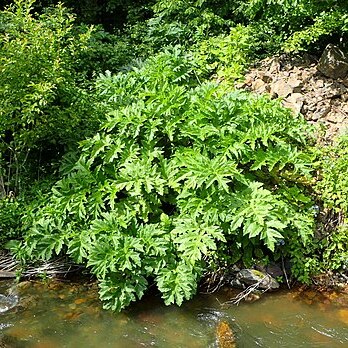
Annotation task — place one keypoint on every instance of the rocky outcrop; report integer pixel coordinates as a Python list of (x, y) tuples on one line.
[(333, 62), (305, 89)]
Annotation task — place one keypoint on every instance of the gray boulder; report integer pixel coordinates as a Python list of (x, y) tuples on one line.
[(333, 62), (252, 276)]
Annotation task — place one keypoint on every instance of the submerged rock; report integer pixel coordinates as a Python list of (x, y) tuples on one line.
[(8, 302), (225, 336), (252, 276), (253, 296)]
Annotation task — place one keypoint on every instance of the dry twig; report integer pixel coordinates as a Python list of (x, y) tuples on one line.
[(245, 293)]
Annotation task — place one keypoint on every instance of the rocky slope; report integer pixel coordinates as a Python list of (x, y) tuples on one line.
[(318, 89)]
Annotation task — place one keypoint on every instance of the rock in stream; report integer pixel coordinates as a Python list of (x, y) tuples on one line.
[(8, 302), (252, 276)]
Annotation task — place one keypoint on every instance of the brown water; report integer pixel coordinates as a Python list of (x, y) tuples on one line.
[(58, 314)]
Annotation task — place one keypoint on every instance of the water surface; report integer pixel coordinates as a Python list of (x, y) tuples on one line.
[(63, 314)]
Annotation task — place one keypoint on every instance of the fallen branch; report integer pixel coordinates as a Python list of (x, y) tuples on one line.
[(285, 274), (51, 268), (245, 293), (10, 267)]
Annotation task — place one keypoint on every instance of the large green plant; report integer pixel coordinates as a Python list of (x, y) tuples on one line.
[(177, 169)]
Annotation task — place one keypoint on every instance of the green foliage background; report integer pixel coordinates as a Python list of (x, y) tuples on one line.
[(44, 105), (126, 146)]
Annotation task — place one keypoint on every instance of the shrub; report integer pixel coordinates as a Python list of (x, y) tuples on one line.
[(292, 25), (182, 23), (177, 169), (225, 56), (333, 183), (328, 250), (42, 107), (10, 217), (326, 24)]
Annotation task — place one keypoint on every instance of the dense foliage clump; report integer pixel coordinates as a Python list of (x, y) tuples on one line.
[(177, 169)]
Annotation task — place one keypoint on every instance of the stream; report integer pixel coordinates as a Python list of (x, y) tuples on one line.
[(63, 314)]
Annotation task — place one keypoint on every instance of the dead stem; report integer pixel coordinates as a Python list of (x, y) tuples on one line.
[(245, 293)]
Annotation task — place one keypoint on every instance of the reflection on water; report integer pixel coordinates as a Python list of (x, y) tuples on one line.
[(58, 314)]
